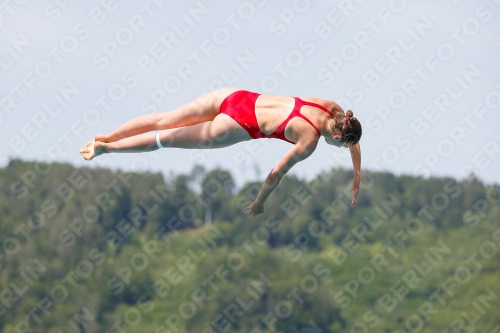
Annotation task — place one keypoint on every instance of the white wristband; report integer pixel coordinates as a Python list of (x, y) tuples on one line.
[(158, 140)]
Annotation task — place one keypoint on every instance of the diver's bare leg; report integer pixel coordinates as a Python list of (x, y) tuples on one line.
[(223, 131), (202, 109)]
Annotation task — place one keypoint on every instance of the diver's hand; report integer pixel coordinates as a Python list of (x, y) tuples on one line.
[(355, 191), (254, 209)]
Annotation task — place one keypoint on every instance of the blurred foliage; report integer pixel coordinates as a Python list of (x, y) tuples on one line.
[(95, 250)]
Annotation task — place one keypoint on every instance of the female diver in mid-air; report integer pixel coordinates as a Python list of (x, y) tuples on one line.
[(230, 115)]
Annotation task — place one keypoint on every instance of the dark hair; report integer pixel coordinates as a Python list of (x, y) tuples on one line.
[(349, 127)]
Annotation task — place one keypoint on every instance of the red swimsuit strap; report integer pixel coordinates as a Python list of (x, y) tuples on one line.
[(300, 115), (312, 104), (299, 103)]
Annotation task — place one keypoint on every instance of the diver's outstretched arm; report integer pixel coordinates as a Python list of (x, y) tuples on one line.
[(356, 163), (299, 152)]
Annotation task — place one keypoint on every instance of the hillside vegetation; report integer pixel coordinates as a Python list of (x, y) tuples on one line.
[(92, 250)]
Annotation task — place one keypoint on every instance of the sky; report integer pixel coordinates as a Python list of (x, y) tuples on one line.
[(422, 77)]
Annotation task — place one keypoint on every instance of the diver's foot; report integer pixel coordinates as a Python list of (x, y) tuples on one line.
[(93, 149)]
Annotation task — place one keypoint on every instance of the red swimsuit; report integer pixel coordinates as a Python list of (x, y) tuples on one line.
[(240, 106)]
